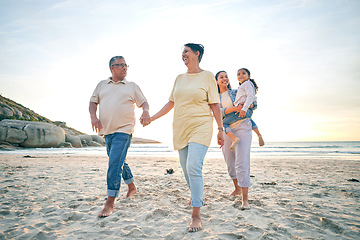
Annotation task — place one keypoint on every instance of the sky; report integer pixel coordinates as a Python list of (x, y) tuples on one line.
[(303, 54)]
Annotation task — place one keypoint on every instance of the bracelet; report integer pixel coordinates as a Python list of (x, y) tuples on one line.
[(220, 128)]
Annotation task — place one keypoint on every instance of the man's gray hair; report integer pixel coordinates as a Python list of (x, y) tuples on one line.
[(113, 59)]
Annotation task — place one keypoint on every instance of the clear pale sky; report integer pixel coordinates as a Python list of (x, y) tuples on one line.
[(304, 55)]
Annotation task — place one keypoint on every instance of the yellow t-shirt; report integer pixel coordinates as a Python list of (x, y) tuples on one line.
[(192, 94)]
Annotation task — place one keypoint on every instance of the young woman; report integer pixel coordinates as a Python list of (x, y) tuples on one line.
[(238, 161)]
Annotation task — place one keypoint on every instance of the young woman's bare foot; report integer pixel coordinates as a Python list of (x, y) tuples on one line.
[(195, 224), (245, 206), (108, 208), (131, 190), (236, 192), (245, 200)]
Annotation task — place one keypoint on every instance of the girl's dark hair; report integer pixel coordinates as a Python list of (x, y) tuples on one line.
[(251, 80), (196, 48), (216, 78)]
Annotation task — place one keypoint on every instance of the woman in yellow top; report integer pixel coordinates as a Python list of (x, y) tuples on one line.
[(195, 101)]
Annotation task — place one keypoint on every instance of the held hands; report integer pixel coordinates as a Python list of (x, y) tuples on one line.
[(145, 118)]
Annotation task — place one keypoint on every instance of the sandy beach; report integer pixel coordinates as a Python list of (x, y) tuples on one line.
[(59, 197)]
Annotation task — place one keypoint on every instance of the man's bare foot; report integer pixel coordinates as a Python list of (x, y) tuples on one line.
[(108, 208), (236, 192), (132, 190), (195, 224)]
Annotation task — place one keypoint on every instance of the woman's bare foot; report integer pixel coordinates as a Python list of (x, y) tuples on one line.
[(195, 224), (236, 192), (131, 190), (108, 208)]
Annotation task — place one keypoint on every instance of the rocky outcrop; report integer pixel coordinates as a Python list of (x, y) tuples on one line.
[(73, 140), (22, 127), (43, 135), (142, 141), (87, 141), (98, 139), (31, 134)]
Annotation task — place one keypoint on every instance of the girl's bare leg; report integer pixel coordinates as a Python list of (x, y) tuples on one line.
[(261, 140), (234, 140), (256, 130)]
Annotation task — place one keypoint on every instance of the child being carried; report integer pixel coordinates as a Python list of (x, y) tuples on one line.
[(245, 96)]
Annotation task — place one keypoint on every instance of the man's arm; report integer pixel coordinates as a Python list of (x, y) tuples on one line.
[(145, 116), (95, 122)]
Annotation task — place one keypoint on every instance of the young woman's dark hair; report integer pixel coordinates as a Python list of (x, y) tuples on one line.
[(251, 80), (216, 78), (196, 48)]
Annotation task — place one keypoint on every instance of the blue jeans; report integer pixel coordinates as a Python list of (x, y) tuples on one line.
[(117, 145), (254, 126), (234, 117), (191, 160)]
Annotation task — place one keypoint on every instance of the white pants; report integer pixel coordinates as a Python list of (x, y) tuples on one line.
[(238, 161)]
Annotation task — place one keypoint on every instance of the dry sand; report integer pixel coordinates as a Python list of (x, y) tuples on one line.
[(59, 197)]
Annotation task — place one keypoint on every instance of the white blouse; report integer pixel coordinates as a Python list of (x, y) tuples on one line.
[(226, 100)]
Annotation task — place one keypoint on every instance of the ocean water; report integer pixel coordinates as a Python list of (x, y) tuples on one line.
[(282, 150)]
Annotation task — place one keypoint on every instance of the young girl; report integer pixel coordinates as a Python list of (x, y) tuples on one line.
[(246, 96)]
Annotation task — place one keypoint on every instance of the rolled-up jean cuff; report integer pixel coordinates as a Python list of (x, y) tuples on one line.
[(113, 193), (227, 130), (197, 203), (128, 181)]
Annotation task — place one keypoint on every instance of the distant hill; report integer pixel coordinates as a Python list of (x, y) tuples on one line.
[(10, 109)]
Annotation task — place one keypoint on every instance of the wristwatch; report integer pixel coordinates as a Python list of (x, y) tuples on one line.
[(220, 128)]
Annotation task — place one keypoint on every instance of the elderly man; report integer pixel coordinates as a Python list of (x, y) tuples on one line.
[(116, 98)]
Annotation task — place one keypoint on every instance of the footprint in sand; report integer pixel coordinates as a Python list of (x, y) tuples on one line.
[(157, 214), (327, 223), (74, 216)]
